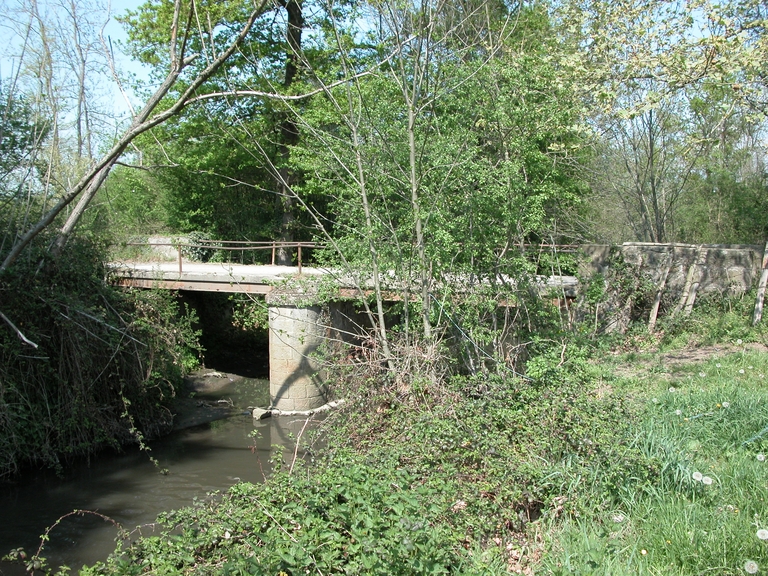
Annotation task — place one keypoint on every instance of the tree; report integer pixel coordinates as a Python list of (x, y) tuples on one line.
[(647, 161), (443, 160), (54, 55), (726, 196), (241, 106), (21, 137), (288, 130), (642, 63), (182, 27)]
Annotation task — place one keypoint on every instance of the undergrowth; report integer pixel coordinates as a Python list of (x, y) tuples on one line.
[(563, 465), (450, 477), (99, 364)]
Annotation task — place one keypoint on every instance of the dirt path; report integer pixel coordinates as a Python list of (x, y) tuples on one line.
[(674, 359), (704, 353)]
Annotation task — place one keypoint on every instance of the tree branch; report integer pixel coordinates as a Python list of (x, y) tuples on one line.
[(142, 123), (19, 333)]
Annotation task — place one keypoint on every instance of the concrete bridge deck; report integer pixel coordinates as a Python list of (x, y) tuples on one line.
[(256, 279), (207, 277)]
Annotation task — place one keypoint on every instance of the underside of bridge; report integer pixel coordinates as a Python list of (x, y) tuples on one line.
[(228, 348), (291, 352)]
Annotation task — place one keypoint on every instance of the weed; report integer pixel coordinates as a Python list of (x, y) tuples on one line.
[(703, 510), (107, 361)]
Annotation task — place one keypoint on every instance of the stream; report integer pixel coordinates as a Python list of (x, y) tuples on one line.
[(130, 490)]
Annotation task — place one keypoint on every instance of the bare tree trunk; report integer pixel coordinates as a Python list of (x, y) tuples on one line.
[(80, 67), (144, 121), (660, 291), (412, 85), (758, 314), (421, 249), (289, 132), (381, 325)]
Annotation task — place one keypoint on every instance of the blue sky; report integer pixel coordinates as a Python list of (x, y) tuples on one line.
[(14, 17)]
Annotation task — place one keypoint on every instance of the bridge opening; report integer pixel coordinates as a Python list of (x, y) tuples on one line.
[(233, 338)]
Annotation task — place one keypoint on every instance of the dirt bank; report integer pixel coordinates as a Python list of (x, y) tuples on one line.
[(203, 399)]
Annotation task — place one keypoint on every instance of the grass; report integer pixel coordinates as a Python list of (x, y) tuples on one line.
[(709, 422)]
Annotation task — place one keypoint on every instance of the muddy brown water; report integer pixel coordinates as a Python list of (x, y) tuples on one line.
[(130, 490)]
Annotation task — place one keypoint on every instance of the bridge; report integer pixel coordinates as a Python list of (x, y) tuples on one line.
[(209, 276), (297, 327), (296, 330)]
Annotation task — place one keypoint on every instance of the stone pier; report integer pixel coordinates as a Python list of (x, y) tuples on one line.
[(296, 332)]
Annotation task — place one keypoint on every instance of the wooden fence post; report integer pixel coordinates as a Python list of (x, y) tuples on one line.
[(656, 301), (758, 315)]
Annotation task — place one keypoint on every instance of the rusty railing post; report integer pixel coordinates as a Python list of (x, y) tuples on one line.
[(178, 247), (299, 247)]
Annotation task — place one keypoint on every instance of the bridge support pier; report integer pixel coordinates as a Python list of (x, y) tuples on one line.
[(296, 332)]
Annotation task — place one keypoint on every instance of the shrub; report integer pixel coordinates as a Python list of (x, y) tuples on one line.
[(106, 362)]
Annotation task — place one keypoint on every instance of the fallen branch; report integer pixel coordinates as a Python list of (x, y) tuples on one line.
[(296, 448)]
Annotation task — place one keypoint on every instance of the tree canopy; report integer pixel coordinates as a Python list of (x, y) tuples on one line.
[(456, 131)]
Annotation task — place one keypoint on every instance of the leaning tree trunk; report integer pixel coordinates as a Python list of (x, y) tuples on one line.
[(142, 123), (289, 133)]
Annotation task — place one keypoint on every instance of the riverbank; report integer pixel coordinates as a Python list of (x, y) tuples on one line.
[(584, 465), (96, 367), (129, 489)]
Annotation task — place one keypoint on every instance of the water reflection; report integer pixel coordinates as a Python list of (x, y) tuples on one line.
[(129, 488)]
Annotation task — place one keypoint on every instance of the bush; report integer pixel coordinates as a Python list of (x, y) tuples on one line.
[(353, 518), (107, 361)]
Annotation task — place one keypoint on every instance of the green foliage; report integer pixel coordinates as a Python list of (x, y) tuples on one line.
[(411, 482), (249, 313), (715, 319), (418, 472), (166, 327), (727, 192), (615, 299), (352, 518), (199, 247), (226, 153), (20, 135), (491, 172), (107, 361), (131, 202)]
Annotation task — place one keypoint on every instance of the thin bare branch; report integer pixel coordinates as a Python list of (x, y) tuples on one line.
[(142, 123), (19, 333)]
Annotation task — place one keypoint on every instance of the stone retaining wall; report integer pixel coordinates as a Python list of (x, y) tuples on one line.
[(728, 269), (685, 271)]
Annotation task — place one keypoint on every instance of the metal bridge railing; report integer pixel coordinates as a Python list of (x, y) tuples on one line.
[(231, 246)]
